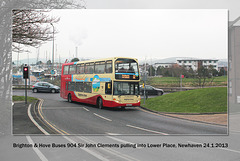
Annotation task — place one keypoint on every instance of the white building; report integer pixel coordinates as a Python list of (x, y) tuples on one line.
[(196, 63), (165, 65)]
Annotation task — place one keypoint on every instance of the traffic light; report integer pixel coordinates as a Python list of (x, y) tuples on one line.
[(25, 72)]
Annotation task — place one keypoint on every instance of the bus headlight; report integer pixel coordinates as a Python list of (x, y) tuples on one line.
[(114, 99)]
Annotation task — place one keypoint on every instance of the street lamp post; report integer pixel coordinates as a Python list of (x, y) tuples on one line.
[(53, 48)]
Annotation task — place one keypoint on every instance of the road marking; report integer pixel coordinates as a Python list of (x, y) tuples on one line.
[(157, 132), (110, 150), (87, 150), (119, 140), (113, 134), (60, 131), (37, 151), (85, 109), (102, 117), (35, 123)]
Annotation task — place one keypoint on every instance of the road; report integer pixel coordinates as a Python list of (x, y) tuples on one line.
[(77, 118), (129, 153)]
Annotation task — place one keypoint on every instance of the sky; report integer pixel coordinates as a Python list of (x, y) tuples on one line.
[(137, 33)]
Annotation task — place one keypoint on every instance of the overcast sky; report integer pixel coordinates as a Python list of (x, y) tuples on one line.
[(138, 33)]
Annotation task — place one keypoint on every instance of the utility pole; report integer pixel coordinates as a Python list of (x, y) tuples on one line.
[(144, 84), (53, 48)]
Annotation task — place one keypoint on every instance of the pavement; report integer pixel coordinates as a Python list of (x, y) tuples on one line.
[(20, 120), (217, 119), (208, 118)]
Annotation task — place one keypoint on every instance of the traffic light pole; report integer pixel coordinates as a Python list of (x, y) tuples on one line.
[(25, 76), (25, 91)]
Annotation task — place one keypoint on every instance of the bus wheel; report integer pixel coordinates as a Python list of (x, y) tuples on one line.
[(100, 103), (69, 98)]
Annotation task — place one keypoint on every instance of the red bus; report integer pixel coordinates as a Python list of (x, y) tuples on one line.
[(112, 82)]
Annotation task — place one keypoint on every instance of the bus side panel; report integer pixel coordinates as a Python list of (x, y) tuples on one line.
[(90, 100)]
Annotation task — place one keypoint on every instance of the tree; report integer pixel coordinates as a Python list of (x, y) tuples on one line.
[(74, 60), (222, 72), (151, 71), (39, 62), (6, 49), (205, 75), (49, 62), (31, 28)]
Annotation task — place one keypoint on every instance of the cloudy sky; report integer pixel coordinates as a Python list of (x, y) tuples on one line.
[(139, 33)]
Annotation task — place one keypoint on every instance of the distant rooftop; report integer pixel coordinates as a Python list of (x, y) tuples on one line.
[(165, 63), (196, 59)]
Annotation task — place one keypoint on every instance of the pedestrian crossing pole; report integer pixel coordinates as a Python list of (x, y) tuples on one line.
[(25, 76)]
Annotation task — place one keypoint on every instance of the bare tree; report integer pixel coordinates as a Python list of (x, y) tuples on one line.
[(31, 28), (6, 7)]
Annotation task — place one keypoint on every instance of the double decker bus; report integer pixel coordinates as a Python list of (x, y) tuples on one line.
[(111, 82)]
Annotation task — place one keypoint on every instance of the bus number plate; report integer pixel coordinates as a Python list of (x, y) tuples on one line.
[(128, 104)]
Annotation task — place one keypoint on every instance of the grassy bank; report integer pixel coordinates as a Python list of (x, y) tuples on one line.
[(22, 98), (205, 100), (186, 82)]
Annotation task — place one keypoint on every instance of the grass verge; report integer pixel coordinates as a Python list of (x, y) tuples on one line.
[(186, 82), (22, 98), (205, 100)]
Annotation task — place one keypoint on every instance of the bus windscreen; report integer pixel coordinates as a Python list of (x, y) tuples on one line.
[(126, 69)]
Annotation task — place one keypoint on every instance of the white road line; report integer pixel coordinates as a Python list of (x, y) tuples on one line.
[(235, 151), (32, 119), (87, 150), (157, 132), (102, 117), (37, 151), (119, 140), (85, 109), (110, 150)]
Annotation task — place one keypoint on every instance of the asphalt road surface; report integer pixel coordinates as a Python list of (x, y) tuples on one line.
[(130, 153), (77, 118)]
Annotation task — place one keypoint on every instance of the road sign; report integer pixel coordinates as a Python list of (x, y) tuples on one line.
[(182, 76)]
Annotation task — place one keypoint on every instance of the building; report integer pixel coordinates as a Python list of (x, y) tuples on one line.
[(165, 65), (197, 63)]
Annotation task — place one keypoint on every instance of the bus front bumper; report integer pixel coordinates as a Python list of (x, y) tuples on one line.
[(115, 104)]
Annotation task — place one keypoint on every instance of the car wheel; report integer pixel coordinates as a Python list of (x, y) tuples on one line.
[(53, 90), (69, 98), (160, 93), (35, 90), (100, 103)]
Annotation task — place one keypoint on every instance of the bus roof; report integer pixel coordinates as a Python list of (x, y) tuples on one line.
[(94, 60)]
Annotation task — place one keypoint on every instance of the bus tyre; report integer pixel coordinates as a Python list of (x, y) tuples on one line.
[(100, 103), (69, 98)]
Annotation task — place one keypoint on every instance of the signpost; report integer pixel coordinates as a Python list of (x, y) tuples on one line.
[(25, 76), (181, 77), (144, 86)]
